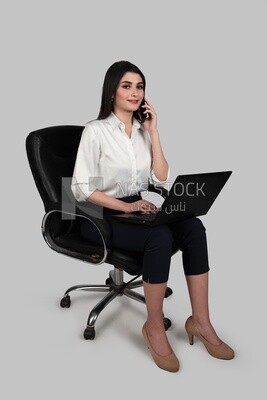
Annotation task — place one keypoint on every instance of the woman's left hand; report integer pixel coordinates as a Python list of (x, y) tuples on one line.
[(150, 123)]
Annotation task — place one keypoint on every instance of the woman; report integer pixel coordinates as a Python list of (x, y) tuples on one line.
[(118, 153)]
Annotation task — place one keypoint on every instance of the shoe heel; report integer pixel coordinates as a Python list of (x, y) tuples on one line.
[(222, 351), (190, 338)]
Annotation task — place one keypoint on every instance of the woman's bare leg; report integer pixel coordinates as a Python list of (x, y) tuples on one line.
[(154, 295), (198, 293)]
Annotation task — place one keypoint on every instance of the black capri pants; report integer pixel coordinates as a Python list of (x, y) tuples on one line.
[(157, 243)]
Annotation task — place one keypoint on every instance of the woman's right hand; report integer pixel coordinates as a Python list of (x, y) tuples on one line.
[(143, 206)]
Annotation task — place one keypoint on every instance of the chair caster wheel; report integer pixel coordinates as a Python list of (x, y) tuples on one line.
[(65, 302), (89, 333), (168, 292), (109, 281), (167, 323)]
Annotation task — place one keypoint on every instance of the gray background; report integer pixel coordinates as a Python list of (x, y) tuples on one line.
[(205, 64)]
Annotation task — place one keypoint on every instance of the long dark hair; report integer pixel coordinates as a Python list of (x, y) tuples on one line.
[(111, 82)]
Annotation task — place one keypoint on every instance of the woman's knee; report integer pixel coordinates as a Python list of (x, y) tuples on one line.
[(194, 226), (157, 256), (160, 236)]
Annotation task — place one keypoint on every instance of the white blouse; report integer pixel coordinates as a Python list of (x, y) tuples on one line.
[(110, 161)]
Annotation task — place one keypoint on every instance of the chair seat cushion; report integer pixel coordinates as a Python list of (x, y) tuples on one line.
[(129, 261), (73, 243)]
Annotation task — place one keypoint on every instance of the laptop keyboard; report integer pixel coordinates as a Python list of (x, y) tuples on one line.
[(143, 217)]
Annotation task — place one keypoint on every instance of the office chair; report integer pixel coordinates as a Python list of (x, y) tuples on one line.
[(51, 154)]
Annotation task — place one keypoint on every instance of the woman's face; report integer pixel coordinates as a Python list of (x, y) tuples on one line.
[(129, 93)]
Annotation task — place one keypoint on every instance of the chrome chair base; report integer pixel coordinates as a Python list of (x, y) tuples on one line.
[(115, 286)]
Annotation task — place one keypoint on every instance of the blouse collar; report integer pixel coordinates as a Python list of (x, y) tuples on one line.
[(115, 122)]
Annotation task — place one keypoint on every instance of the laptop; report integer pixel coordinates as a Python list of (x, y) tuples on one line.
[(190, 196)]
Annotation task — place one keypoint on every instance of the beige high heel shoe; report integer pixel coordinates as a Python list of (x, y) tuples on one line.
[(222, 351), (169, 363)]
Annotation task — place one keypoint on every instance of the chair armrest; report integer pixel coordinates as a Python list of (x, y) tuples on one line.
[(70, 211), (85, 209)]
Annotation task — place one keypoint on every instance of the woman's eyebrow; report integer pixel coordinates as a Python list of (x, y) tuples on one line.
[(130, 83)]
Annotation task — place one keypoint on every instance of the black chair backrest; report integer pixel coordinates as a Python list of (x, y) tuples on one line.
[(51, 154)]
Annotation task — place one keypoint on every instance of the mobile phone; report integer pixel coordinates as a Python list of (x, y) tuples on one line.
[(143, 116)]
